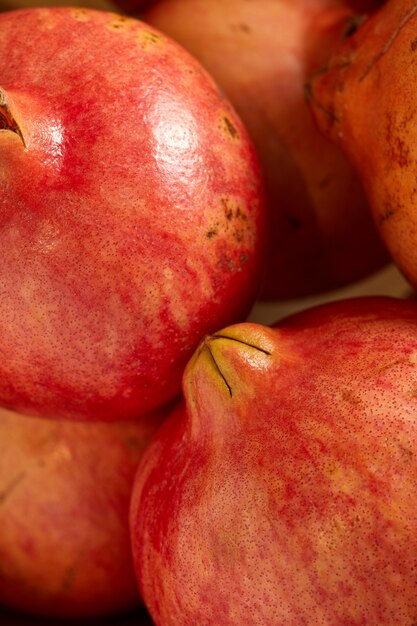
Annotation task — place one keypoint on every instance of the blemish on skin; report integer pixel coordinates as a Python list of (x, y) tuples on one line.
[(211, 233), (227, 210), (8, 490), (406, 451), (236, 220), (397, 129), (349, 396), (119, 23), (238, 236), (239, 214), (413, 45), (243, 258), (230, 128), (400, 151), (352, 26), (81, 15), (241, 27), (226, 264), (148, 38), (331, 470), (245, 28), (385, 216)]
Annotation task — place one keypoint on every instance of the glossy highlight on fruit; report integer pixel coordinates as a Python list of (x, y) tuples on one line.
[(262, 53), (132, 218), (283, 490)]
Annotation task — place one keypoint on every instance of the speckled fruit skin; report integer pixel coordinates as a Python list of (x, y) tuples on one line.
[(262, 54), (283, 493), (64, 501), (365, 102), (132, 214)]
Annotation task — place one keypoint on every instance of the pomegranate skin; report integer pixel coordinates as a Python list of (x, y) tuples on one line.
[(262, 54), (283, 491), (364, 102), (64, 499), (132, 219)]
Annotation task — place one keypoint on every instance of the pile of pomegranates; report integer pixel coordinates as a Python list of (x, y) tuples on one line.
[(171, 170)]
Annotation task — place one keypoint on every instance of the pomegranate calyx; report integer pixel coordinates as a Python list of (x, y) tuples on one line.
[(206, 345), (7, 119)]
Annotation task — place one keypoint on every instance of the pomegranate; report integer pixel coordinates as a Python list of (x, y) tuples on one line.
[(364, 102), (132, 219), (64, 497), (283, 491), (262, 53)]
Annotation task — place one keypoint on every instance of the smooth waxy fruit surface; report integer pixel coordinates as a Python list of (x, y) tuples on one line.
[(131, 213), (283, 491), (262, 53)]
